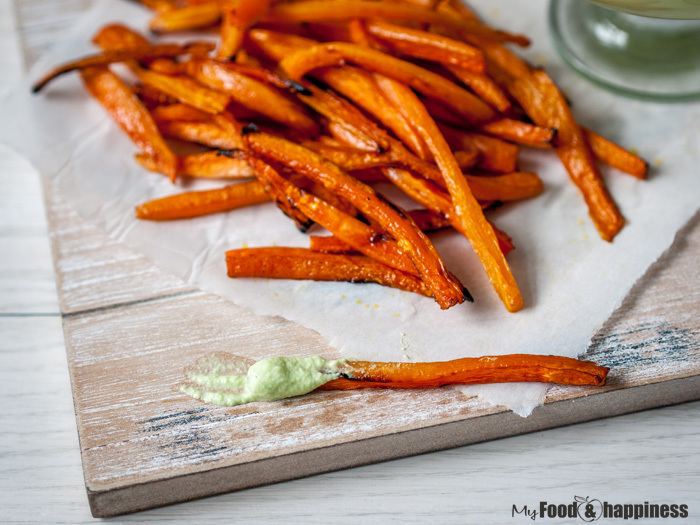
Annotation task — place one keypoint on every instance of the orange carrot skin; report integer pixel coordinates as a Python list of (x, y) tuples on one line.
[(300, 263), (521, 132), (197, 203), (471, 370), (616, 156), (215, 165), (131, 116)]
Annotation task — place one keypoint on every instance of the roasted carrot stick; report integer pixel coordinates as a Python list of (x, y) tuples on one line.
[(220, 164), (252, 94), (426, 82), (300, 263), (205, 133), (197, 203), (179, 112), (470, 370), (573, 150), (446, 290), (350, 230), (131, 116), (521, 132), (318, 10), (118, 37), (237, 17), (468, 216), (614, 155), (184, 89), (483, 86), (185, 18), (110, 57), (428, 46), (467, 158)]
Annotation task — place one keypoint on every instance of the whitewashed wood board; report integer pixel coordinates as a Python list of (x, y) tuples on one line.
[(130, 329)]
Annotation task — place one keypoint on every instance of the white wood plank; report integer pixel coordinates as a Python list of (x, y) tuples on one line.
[(649, 456)]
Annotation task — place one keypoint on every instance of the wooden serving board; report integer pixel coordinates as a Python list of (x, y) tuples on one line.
[(130, 329)]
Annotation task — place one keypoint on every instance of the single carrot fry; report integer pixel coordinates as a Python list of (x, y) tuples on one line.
[(495, 154), (110, 57), (205, 133), (179, 112), (196, 16), (574, 152), (184, 89), (355, 233), (220, 164), (428, 46), (468, 216), (131, 116), (521, 132), (426, 82), (508, 187), (483, 86), (300, 263), (166, 66), (237, 17), (614, 155), (350, 159), (322, 10), (252, 94), (118, 37), (197, 203), (446, 290), (470, 370)]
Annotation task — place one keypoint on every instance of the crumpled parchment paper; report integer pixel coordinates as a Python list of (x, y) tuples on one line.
[(571, 279)]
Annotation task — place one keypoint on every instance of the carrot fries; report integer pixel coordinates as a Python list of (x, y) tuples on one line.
[(321, 109)]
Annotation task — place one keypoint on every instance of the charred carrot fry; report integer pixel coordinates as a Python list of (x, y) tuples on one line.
[(220, 164), (355, 233), (470, 370), (428, 46), (252, 94), (237, 17), (320, 10), (607, 152), (196, 16), (446, 290), (483, 86), (131, 116), (197, 203), (300, 263), (467, 214), (184, 89), (521, 132), (426, 82)]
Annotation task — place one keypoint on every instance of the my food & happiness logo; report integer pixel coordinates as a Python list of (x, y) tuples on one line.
[(590, 509)]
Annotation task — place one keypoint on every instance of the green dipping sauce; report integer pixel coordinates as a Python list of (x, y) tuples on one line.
[(219, 379)]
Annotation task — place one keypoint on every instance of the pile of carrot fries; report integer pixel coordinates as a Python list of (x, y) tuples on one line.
[(309, 104)]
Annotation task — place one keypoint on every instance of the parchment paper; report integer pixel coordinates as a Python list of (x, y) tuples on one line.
[(570, 278)]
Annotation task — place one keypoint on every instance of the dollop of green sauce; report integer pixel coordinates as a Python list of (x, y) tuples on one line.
[(269, 379)]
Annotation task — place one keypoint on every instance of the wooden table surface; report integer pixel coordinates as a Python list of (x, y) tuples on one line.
[(650, 456)]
